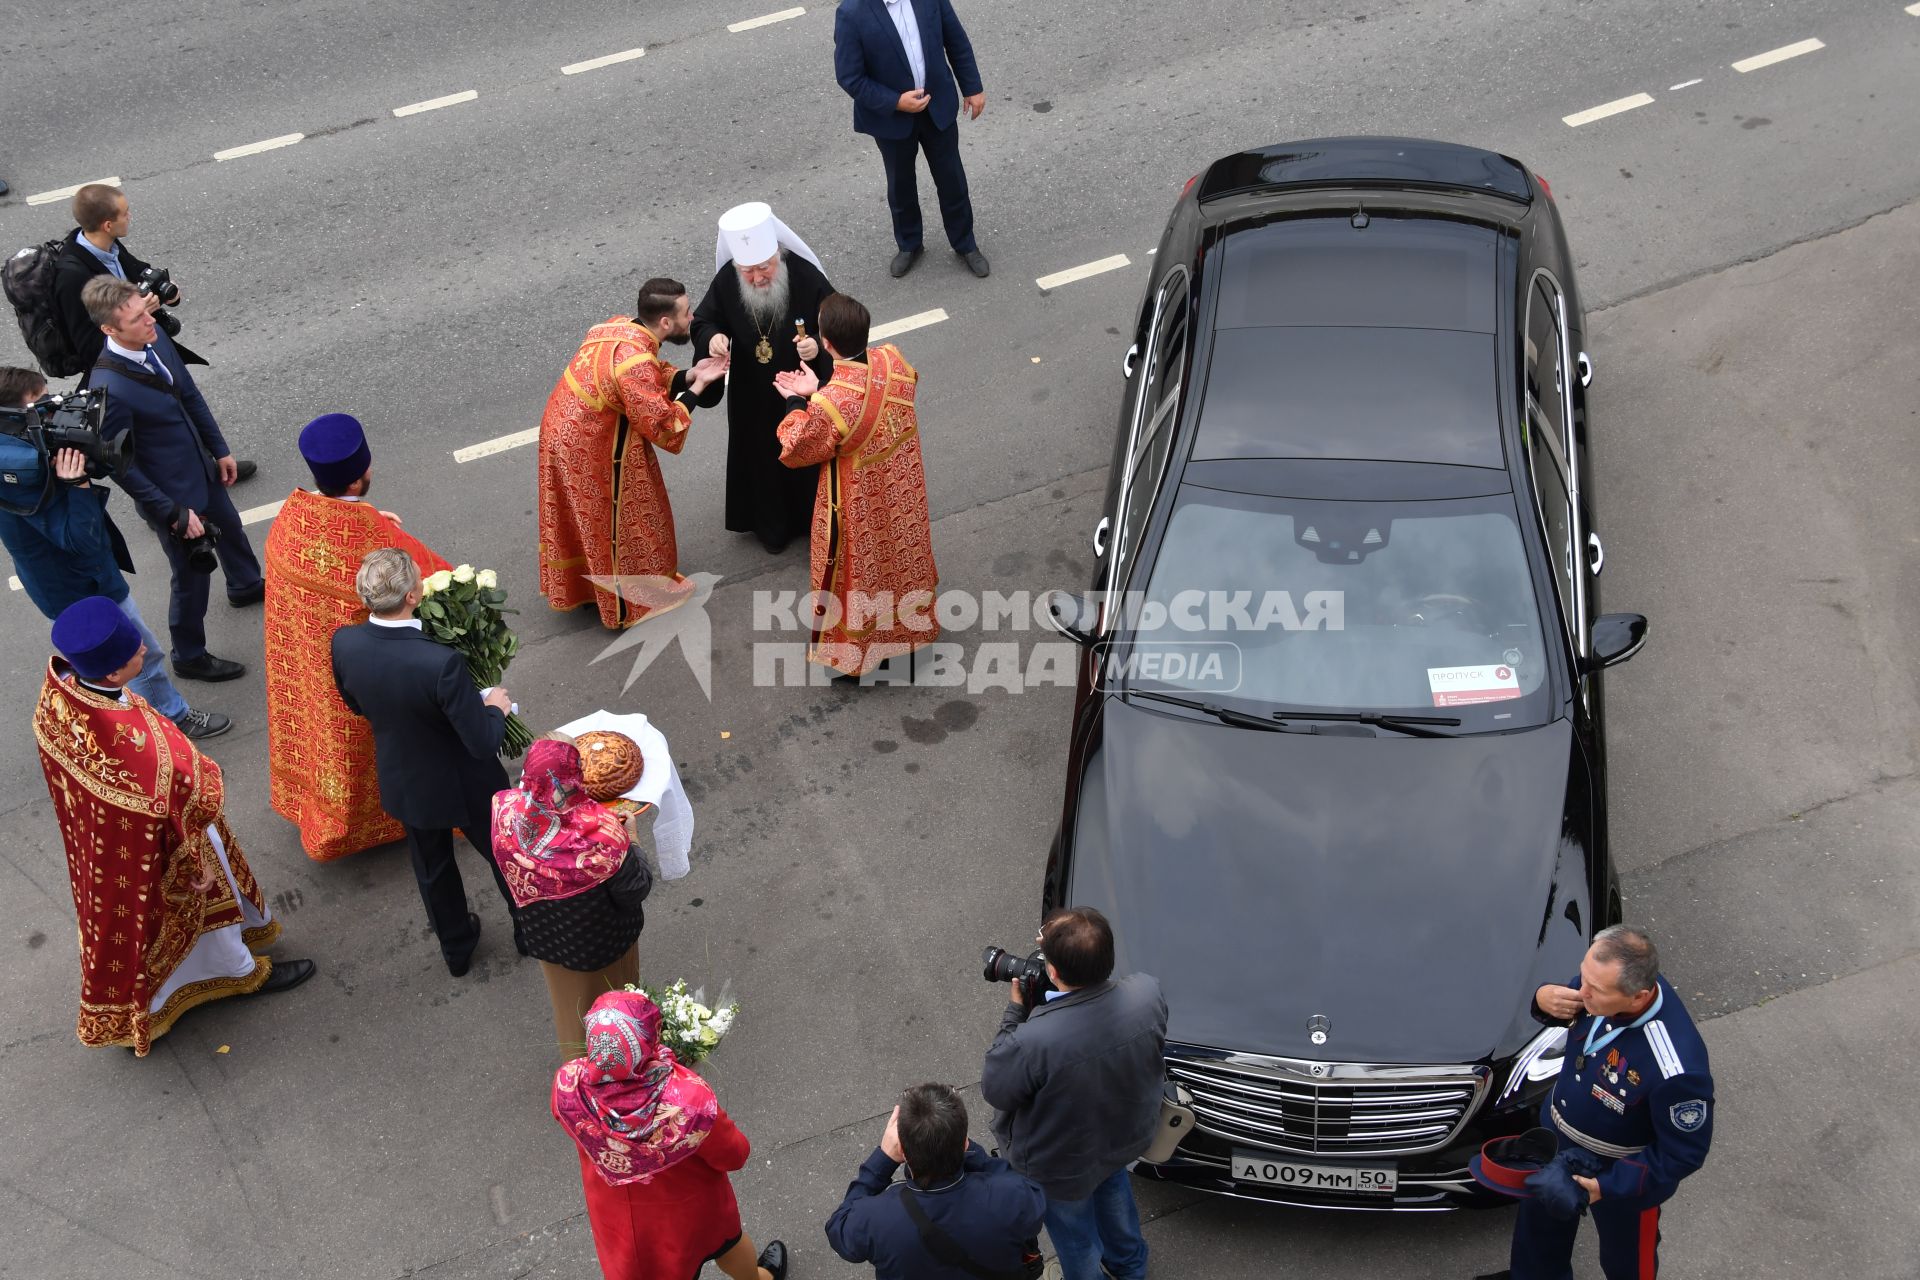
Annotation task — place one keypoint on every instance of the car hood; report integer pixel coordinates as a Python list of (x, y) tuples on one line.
[(1414, 891)]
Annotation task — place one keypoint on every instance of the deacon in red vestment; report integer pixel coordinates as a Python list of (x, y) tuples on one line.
[(872, 539), (603, 504), (170, 915), (319, 754)]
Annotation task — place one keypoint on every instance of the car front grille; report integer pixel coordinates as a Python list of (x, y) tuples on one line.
[(1323, 1108)]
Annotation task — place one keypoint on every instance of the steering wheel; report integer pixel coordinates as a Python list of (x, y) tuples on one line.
[(1444, 609)]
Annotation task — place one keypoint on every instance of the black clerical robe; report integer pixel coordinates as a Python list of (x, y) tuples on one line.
[(763, 496)]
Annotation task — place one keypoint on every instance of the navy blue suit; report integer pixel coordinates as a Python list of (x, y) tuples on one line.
[(175, 443), (870, 62), (992, 1213)]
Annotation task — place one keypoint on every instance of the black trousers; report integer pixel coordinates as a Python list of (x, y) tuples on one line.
[(442, 891), (901, 156), (187, 608)]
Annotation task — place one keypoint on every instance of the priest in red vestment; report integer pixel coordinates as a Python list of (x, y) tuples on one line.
[(603, 504), (170, 915), (872, 539), (319, 754)]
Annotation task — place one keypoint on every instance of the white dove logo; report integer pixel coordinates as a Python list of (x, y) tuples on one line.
[(677, 611)]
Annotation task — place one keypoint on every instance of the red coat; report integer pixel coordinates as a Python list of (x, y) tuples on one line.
[(667, 1227)]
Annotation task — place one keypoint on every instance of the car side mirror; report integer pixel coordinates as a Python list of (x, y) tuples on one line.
[(1616, 637), (1071, 615)]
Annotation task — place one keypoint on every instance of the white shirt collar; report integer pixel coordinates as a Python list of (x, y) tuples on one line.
[(396, 622), (126, 353), (342, 497)]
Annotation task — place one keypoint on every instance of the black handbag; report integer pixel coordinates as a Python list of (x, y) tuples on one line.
[(948, 1252)]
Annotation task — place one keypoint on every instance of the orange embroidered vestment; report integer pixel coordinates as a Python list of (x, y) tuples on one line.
[(603, 503), (134, 800), (319, 754), (872, 539)]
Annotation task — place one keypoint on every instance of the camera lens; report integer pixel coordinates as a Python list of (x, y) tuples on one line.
[(994, 966)]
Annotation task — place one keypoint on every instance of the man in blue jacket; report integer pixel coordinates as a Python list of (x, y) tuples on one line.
[(70, 549), (958, 1206), (180, 471), (897, 60)]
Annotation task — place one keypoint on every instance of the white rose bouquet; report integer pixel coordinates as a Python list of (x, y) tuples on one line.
[(687, 1026), (462, 608)]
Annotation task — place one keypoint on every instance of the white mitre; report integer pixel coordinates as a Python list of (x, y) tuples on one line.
[(750, 235)]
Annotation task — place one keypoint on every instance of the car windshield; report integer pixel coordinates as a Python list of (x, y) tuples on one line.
[(1410, 608)]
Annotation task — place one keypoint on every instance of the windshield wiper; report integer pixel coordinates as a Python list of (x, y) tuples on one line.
[(1225, 715), (1412, 726)]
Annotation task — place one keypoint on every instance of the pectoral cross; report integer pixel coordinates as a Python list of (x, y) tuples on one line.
[(764, 352)]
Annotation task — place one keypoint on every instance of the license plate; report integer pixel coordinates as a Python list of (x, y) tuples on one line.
[(1382, 1179)]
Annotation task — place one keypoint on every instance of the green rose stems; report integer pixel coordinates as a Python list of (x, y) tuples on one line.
[(462, 609)]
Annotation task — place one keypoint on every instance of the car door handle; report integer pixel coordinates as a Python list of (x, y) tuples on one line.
[(1100, 535), (1586, 369), (1596, 554), (1126, 365)]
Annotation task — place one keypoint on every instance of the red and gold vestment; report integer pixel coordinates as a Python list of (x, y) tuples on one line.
[(320, 755), (872, 537), (603, 503), (134, 800)]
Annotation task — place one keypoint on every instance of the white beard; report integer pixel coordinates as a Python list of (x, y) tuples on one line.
[(767, 304)]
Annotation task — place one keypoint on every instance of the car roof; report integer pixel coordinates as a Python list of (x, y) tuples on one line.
[(1374, 342)]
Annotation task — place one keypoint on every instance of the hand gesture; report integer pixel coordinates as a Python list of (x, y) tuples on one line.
[(70, 465), (890, 1140), (720, 346), (707, 372), (801, 382), (1559, 1002), (913, 101), (807, 347), (974, 104), (499, 697)]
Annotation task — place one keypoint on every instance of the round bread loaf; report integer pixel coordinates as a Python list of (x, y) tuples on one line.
[(610, 763)]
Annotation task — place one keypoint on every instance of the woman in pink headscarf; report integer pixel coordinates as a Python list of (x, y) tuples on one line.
[(577, 881), (655, 1152)]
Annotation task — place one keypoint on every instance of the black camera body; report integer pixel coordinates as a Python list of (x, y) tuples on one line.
[(158, 282), (997, 964), (30, 436), (201, 557)]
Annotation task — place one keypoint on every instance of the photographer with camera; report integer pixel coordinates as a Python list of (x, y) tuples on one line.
[(961, 1214), (70, 549), (180, 471), (1074, 1078)]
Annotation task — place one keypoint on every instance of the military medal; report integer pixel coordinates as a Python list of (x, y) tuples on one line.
[(763, 352)]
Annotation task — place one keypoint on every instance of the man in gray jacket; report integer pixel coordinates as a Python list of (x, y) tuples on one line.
[(1075, 1088)]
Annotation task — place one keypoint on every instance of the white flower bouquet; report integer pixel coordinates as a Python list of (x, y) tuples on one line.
[(688, 1026), (462, 608)]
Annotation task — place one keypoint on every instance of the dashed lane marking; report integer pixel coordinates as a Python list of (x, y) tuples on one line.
[(434, 104), (906, 324), (499, 444), (255, 148), (765, 20), (1606, 109), (13, 584), (1781, 54), (66, 193), (606, 60), (1084, 270), (1914, 9), (1684, 84), (254, 515)]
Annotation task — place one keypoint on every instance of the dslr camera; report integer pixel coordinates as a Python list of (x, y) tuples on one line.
[(30, 436), (997, 964), (201, 557), (157, 282)]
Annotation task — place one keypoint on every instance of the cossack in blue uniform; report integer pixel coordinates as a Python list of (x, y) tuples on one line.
[(1640, 1094)]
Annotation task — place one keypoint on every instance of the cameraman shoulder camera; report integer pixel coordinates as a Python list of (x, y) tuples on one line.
[(1074, 1078)]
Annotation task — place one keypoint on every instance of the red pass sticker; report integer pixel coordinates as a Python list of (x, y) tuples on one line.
[(1464, 686)]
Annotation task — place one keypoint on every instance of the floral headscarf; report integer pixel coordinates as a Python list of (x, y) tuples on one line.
[(628, 1103), (551, 839)]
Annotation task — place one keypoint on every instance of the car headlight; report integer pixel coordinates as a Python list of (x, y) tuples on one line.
[(1537, 1062)]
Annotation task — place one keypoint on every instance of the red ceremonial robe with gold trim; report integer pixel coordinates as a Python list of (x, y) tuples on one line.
[(134, 799), (872, 538), (603, 502), (319, 754)]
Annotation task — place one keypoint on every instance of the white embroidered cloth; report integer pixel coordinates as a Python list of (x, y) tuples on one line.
[(659, 786)]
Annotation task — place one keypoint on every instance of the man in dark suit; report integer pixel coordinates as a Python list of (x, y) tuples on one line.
[(897, 60), (180, 471), (436, 742)]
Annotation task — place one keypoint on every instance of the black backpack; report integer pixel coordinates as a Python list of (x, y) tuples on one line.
[(28, 281)]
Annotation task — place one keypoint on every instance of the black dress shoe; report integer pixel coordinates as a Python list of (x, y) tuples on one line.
[(203, 724), (252, 595), (774, 545), (286, 975), (244, 470), (209, 668), (458, 968), (774, 1259), (903, 262), (977, 263)]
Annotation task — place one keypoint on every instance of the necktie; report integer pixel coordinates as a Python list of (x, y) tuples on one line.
[(156, 368)]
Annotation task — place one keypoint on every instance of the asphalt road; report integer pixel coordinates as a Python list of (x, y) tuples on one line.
[(430, 273)]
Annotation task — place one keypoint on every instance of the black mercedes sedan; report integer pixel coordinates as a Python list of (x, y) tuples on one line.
[(1337, 770)]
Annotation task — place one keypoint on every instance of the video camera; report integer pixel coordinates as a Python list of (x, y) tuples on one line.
[(30, 436)]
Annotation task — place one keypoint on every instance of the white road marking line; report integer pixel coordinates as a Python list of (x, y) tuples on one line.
[(1081, 272), (607, 60), (906, 324), (255, 148), (434, 104), (765, 20), (500, 444), (1684, 84), (13, 584), (1772, 56), (66, 193), (1606, 109), (254, 515), (1914, 9)]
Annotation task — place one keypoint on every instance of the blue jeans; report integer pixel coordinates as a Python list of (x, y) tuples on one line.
[(152, 682), (1101, 1231)]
